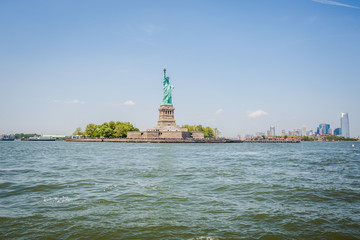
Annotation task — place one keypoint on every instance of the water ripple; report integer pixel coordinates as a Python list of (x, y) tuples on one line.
[(179, 191)]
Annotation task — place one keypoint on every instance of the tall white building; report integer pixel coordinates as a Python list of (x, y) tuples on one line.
[(344, 123), (271, 132), (303, 130)]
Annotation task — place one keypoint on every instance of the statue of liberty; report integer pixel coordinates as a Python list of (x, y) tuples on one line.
[(167, 100)]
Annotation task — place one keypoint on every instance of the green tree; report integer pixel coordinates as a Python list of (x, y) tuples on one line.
[(122, 128), (308, 138), (78, 132), (208, 132), (26, 135), (92, 130), (105, 130), (188, 127), (199, 128), (338, 138), (110, 129), (112, 125), (191, 129)]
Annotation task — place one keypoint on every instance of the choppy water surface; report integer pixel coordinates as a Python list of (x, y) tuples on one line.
[(179, 191)]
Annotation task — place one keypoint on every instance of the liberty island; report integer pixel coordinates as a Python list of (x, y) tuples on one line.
[(166, 128), (167, 131)]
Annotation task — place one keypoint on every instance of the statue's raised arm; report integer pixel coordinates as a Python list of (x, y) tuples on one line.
[(167, 99)]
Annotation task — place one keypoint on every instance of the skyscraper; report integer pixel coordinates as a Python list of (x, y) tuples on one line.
[(303, 130), (344, 123), (272, 130), (323, 129)]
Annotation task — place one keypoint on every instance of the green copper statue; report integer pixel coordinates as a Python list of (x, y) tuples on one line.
[(167, 100)]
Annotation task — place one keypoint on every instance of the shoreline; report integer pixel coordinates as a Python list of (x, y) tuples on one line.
[(174, 140)]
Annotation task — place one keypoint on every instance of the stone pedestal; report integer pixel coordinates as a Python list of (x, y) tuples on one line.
[(166, 122), (166, 128), (166, 116)]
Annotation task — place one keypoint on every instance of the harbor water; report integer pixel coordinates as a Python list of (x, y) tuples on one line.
[(76, 190)]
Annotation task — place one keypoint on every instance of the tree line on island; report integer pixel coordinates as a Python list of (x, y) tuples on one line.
[(208, 131), (107, 129), (120, 129), (26, 135)]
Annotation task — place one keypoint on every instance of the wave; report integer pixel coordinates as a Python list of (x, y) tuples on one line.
[(62, 199), (21, 189)]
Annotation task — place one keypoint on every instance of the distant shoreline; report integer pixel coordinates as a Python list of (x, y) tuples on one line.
[(187, 140), (184, 140)]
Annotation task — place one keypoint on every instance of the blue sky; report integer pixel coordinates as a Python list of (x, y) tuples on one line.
[(240, 66)]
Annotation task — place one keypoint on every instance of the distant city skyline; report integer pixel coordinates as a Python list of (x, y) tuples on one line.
[(239, 66), (321, 129)]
